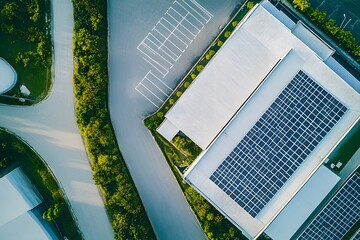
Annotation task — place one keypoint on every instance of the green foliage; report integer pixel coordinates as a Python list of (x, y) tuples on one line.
[(153, 122), (343, 37), (227, 34), (210, 54), (199, 68), (171, 101), (186, 146), (214, 224), (318, 16), (234, 23), (14, 18), (186, 84), (53, 212), (128, 216), (219, 43), (178, 93), (303, 5), (193, 76), (331, 26), (250, 5)]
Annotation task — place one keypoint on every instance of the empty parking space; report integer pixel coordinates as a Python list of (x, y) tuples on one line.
[(166, 42)]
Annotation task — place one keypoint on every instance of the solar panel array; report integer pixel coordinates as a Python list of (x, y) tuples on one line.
[(278, 143), (339, 215), (356, 236)]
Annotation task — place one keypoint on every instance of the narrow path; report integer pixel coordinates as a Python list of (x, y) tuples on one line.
[(50, 129)]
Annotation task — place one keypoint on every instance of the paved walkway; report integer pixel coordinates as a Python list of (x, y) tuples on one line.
[(50, 129)]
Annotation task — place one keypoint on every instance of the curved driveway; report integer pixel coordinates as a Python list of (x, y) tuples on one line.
[(50, 129), (129, 23)]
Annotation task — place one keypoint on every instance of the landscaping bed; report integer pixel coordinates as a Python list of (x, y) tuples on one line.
[(14, 152), (90, 48), (25, 42)]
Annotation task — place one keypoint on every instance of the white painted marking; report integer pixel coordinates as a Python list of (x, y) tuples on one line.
[(157, 86), (146, 97)]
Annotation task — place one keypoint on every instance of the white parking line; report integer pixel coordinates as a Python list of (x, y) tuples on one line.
[(182, 26), (189, 21), (166, 42), (172, 57), (163, 74), (202, 8), (160, 80), (189, 11), (175, 29), (154, 60), (156, 53), (146, 97), (157, 87)]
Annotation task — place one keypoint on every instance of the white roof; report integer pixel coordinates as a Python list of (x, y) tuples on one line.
[(303, 204), (18, 218), (237, 70), (259, 29), (16, 196), (26, 227), (8, 76)]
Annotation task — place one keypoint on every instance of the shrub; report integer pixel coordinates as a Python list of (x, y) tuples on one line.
[(227, 34), (303, 5), (219, 43), (193, 76), (199, 68), (234, 23), (178, 94), (250, 5), (186, 84), (53, 212), (171, 101)]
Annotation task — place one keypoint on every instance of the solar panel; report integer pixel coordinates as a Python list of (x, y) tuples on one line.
[(278, 143), (356, 236), (339, 215)]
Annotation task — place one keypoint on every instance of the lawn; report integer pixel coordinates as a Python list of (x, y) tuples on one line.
[(14, 152), (27, 36)]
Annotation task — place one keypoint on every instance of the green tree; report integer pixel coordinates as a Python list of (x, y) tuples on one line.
[(10, 11), (219, 43), (332, 27), (193, 76), (227, 34), (318, 16), (199, 68), (234, 23), (303, 5), (250, 5), (53, 212)]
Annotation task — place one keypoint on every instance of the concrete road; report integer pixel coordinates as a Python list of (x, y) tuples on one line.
[(50, 129), (129, 22)]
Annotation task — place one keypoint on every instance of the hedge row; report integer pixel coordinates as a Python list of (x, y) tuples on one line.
[(343, 37), (129, 219)]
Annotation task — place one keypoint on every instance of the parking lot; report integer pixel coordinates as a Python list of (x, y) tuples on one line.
[(164, 45)]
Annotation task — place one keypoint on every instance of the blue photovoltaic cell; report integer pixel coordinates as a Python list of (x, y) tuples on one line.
[(278, 143), (339, 215), (356, 236)]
